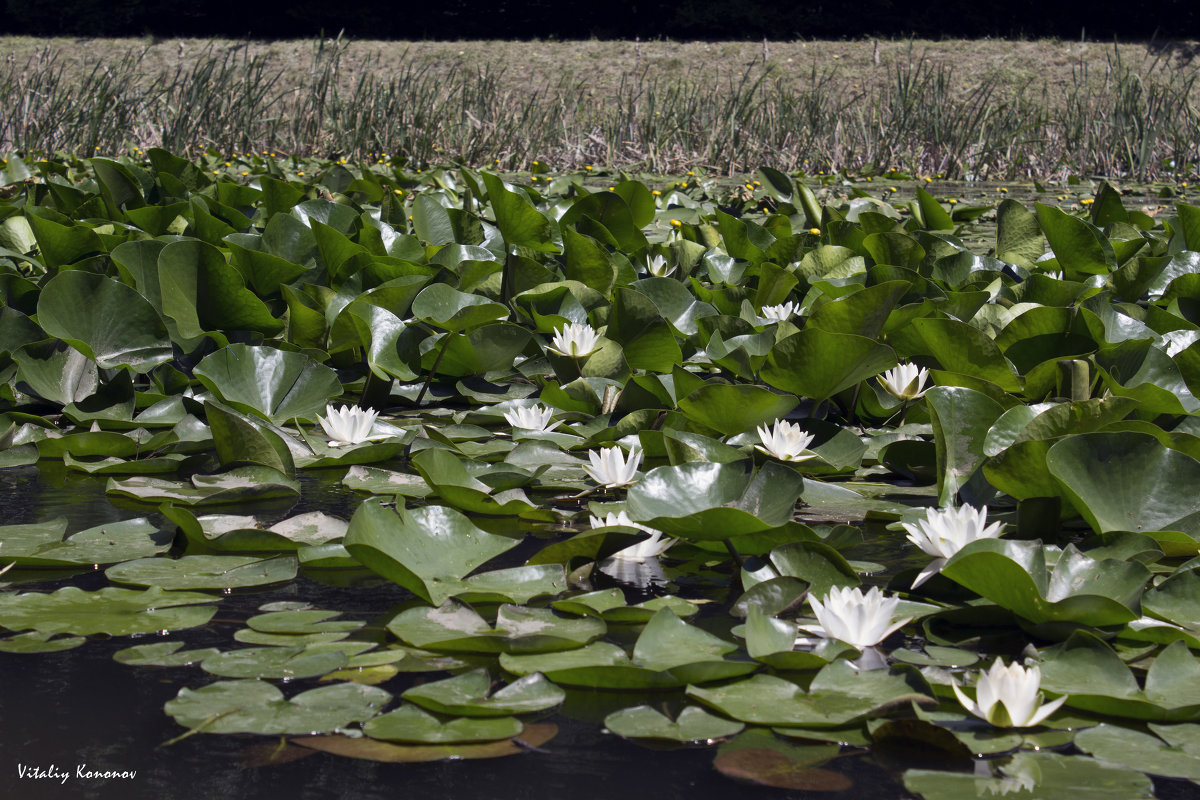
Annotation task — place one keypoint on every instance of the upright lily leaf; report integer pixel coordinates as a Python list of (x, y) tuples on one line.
[(819, 364), (105, 320), (715, 501), (425, 550), (274, 384), (961, 419)]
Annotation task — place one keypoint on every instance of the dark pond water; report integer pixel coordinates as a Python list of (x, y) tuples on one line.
[(79, 709)]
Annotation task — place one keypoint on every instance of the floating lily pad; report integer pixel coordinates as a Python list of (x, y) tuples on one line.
[(714, 501), (1141, 751), (42, 544), (426, 550), (837, 695), (204, 572), (1043, 775), (693, 724), (274, 662), (253, 706), (374, 750), (456, 627), (410, 723), (468, 695), (162, 654), (240, 485), (39, 642), (117, 612)]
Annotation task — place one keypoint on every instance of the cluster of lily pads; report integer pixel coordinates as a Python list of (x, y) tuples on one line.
[(730, 401)]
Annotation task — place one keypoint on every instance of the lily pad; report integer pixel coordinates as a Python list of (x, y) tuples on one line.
[(204, 572), (693, 724), (456, 627), (117, 612), (254, 706), (468, 695)]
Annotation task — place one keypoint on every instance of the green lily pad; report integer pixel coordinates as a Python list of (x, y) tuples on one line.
[(837, 695), (714, 501), (374, 750), (468, 695), (274, 384), (254, 706), (456, 627), (39, 642), (1140, 751), (1042, 775), (692, 725), (162, 654), (204, 572), (274, 662), (117, 612), (1128, 482), (818, 364), (42, 544), (240, 485), (1080, 590), (412, 724), (426, 550)]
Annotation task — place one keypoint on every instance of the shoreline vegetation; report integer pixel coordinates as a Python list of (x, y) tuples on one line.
[(962, 110)]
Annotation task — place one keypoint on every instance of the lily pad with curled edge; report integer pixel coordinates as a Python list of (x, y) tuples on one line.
[(1176, 600), (1142, 751), (410, 723), (162, 654), (240, 485), (693, 724), (468, 695), (39, 642), (455, 627), (1095, 679), (609, 605), (271, 383), (284, 663), (838, 694), (426, 550), (531, 736), (254, 706), (42, 544), (773, 642), (242, 533), (934, 656), (1079, 591), (205, 572), (714, 501), (447, 476), (1044, 775), (375, 480), (1128, 481), (157, 465), (668, 654), (117, 612)]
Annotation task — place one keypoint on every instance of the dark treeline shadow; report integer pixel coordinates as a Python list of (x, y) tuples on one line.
[(647, 19)]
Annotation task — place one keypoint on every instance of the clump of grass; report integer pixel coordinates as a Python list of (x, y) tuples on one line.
[(1137, 120)]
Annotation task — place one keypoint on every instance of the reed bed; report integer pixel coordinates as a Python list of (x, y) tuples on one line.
[(1136, 119)]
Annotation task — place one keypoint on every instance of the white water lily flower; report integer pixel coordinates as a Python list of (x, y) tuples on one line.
[(777, 313), (785, 441), (1056, 274), (348, 425), (610, 469), (533, 418), (860, 620), (574, 339), (657, 266), (642, 550), (905, 381), (1008, 697), (945, 531)]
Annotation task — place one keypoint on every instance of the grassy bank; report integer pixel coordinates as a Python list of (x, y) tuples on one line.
[(964, 109)]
